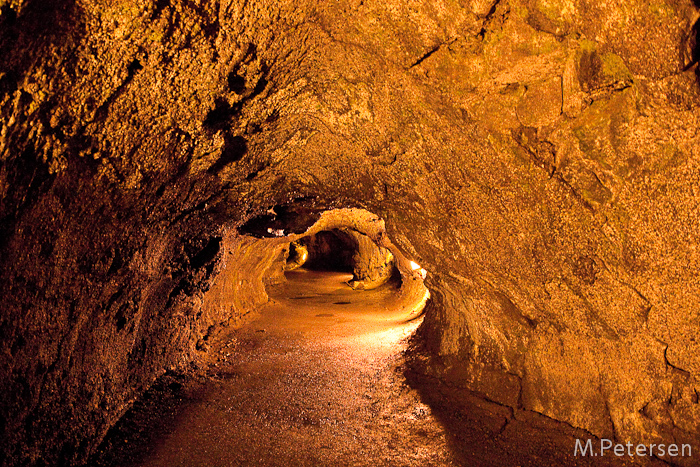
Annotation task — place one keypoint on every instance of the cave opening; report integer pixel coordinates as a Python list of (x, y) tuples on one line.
[(348, 246), (344, 252), (342, 273), (328, 250), (366, 264)]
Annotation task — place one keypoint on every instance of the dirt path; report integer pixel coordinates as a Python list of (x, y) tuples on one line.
[(314, 381), (317, 380)]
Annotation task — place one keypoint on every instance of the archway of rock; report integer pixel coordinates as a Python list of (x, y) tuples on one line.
[(346, 251)]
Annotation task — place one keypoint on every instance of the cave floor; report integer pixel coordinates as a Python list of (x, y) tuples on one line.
[(319, 380)]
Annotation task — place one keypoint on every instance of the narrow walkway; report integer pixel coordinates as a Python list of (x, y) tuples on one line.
[(318, 380), (313, 382)]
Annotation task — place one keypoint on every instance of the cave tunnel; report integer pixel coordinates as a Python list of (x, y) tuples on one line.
[(244, 232), (342, 250)]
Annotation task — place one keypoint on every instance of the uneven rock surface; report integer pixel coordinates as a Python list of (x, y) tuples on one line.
[(538, 158), (319, 379)]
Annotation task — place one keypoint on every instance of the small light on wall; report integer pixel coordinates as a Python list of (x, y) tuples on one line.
[(275, 232), (416, 267)]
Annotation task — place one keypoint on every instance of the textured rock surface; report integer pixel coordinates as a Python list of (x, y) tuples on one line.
[(539, 158)]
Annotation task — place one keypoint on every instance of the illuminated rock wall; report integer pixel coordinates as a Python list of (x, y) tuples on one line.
[(539, 159)]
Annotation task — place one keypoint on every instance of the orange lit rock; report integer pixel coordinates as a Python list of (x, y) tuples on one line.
[(539, 159)]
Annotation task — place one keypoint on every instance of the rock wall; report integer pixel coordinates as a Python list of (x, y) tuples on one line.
[(538, 158), (373, 265)]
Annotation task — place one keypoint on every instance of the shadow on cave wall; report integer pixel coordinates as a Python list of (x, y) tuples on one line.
[(484, 433), (481, 432), (150, 419)]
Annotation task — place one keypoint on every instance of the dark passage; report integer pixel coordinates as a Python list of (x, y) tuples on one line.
[(345, 250)]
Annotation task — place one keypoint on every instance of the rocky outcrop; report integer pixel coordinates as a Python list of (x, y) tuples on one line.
[(538, 159)]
